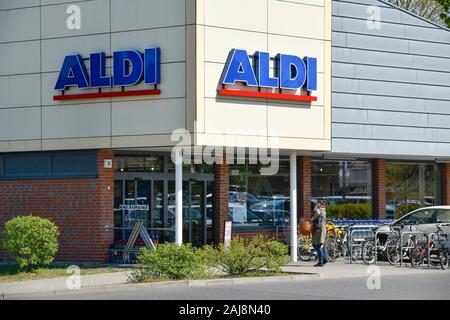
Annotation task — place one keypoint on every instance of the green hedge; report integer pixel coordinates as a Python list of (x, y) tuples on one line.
[(170, 261), (186, 262), (31, 241), (349, 211), (242, 257)]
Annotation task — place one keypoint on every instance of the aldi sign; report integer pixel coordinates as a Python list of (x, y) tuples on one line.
[(130, 67), (290, 74)]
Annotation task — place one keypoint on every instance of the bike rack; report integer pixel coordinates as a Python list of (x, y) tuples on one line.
[(376, 237), (430, 237), (401, 242), (350, 241)]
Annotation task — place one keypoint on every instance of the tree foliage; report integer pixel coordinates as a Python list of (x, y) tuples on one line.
[(436, 11)]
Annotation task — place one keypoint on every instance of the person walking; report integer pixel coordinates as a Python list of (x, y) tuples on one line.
[(319, 231)]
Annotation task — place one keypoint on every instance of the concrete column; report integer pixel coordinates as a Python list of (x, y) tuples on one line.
[(379, 190), (293, 209), (178, 198)]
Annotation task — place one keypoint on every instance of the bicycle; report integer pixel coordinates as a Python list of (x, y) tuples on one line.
[(394, 249), (306, 251), (334, 241), (435, 251)]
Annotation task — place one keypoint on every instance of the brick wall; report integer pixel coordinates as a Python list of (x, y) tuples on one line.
[(80, 207), (304, 172), (379, 190), (220, 200), (446, 184)]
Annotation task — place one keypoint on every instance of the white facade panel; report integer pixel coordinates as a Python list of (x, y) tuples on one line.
[(143, 14), (79, 121), (19, 25), (147, 116), (20, 123), (14, 4), (20, 57), (250, 15), (235, 117), (296, 19), (20, 91)]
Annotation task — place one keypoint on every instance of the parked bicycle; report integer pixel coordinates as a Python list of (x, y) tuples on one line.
[(388, 246), (435, 250)]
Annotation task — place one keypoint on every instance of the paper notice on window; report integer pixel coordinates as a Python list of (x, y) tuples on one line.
[(239, 211)]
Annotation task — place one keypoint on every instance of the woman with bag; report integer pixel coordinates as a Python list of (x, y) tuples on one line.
[(319, 231)]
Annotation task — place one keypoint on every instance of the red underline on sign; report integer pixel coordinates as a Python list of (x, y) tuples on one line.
[(265, 95), (98, 95)]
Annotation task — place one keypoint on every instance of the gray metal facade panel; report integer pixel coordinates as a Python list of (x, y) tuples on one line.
[(391, 86), (81, 164)]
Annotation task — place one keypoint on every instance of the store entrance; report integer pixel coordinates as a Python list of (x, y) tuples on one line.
[(151, 198)]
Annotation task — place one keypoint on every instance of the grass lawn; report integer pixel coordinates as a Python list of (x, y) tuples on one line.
[(11, 273)]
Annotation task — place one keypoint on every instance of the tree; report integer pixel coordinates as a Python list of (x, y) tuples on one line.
[(436, 11)]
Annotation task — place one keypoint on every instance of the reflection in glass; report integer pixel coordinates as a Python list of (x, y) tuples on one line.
[(409, 186), (345, 185), (258, 202)]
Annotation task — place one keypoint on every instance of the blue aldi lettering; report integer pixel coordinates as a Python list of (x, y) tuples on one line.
[(129, 68), (291, 73)]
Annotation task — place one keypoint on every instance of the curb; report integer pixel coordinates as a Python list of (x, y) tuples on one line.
[(164, 284)]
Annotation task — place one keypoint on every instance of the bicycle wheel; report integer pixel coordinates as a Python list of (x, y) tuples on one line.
[(416, 255), (303, 250), (393, 251), (331, 249), (368, 252), (443, 259)]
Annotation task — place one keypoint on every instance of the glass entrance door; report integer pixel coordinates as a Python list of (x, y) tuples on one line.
[(194, 219), (194, 211), (145, 186)]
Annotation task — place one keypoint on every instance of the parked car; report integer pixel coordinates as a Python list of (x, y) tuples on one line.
[(422, 220)]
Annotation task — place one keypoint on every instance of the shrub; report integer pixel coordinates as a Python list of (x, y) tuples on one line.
[(241, 258), (171, 261), (349, 211), (31, 241)]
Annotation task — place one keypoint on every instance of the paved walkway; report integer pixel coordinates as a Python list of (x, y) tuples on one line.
[(59, 284), (343, 269), (337, 270)]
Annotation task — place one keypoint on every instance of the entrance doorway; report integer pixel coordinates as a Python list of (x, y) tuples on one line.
[(150, 196)]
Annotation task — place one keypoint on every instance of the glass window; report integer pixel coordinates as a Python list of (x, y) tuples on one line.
[(409, 186), (443, 216), (258, 202), (345, 185), (421, 217), (139, 164)]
